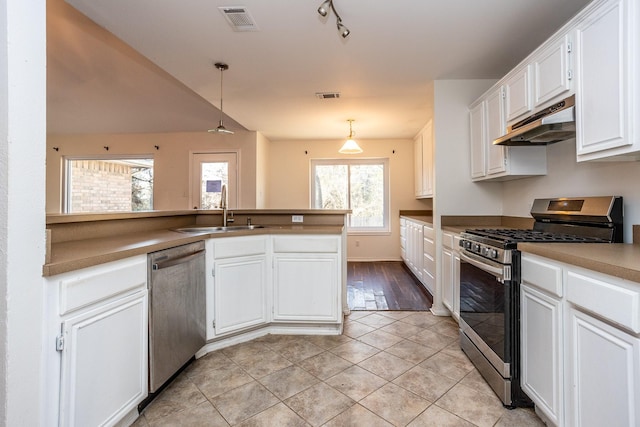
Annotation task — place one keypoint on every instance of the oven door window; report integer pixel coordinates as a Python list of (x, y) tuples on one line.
[(483, 304)]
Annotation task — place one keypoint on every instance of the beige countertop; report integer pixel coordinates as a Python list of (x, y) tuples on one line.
[(421, 218), (616, 259), (76, 254)]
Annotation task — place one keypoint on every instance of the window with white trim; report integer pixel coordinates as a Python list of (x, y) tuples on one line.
[(361, 185), (108, 184)]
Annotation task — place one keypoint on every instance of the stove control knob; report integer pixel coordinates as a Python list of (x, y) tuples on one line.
[(494, 253), (485, 251), (476, 248)]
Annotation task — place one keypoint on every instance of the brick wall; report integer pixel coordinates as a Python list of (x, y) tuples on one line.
[(99, 185)]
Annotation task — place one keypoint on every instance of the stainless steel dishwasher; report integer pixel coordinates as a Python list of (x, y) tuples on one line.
[(176, 309)]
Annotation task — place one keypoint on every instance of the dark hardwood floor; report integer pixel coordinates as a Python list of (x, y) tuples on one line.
[(384, 285)]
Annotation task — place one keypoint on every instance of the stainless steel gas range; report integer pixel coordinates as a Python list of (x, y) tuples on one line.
[(490, 281)]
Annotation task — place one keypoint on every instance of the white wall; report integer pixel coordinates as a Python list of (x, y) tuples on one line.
[(22, 159), (262, 170), (566, 177), (171, 161), (456, 194), (289, 187)]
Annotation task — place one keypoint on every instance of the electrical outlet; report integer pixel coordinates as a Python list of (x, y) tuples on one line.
[(357, 243), (297, 218)]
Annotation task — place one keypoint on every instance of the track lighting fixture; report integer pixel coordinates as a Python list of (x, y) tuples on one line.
[(350, 146), (323, 10), (221, 129)]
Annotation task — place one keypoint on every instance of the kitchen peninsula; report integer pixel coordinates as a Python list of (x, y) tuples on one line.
[(277, 277)]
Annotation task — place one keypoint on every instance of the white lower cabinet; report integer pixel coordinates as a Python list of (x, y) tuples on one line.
[(580, 341), (104, 364), (99, 318), (451, 274), (420, 251), (273, 279), (429, 258), (403, 239), (604, 373), (240, 283), (306, 279), (541, 358), (603, 350), (541, 335)]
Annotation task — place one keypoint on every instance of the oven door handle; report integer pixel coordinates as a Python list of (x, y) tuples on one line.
[(496, 271)]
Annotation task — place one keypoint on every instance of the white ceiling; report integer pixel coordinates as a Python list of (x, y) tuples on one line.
[(382, 70)]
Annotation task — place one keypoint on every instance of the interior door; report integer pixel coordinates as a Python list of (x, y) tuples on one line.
[(209, 171)]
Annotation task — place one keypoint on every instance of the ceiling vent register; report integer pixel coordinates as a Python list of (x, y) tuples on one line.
[(327, 95), (239, 18)]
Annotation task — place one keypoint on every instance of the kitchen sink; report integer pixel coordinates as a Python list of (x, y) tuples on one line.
[(208, 229)]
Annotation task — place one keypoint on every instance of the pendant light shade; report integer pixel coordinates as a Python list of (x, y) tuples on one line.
[(221, 129), (350, 146)]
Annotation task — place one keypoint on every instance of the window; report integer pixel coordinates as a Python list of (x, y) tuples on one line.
[(361, 185), (108, 184)]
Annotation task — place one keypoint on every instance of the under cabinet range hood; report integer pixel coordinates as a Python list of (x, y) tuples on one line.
[(553, 124)]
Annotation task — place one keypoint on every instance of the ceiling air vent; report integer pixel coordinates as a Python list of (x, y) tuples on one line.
[(327, 95), (239, 18)]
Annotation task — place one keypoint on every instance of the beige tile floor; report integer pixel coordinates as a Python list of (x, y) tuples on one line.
[(392, 368)]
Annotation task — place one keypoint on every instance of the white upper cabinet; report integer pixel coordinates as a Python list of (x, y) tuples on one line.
[(495, 162), (542, 79), (552, 75), (478, 138), (517, 89), (607, 81), (423, 156), (495, 129)]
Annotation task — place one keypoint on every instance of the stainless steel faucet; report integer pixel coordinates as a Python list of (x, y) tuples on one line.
[(224, 205)]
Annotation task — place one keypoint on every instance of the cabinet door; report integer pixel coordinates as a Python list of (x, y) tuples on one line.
[(541, 355), (517, 90), (240, 293), (447, 278), (603, 367), (603, 87), (551, 72), (418, 250), (477, 138), (104, 362), (403, 239), (456, 285), (495, 128), (306, 287), (417, 159), (427, 160)]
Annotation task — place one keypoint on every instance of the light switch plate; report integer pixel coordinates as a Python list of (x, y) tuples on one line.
[(297, 218)]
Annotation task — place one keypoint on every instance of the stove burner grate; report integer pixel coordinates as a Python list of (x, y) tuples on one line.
[(518, 235)]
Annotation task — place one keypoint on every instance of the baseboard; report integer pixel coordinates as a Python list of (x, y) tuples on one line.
[(373, 259)]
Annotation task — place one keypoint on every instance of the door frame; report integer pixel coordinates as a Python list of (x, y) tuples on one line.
[(192, 168)]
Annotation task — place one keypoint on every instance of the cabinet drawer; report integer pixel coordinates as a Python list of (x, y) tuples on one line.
[(447, 240), (610, 299), (542, 275), (428, 232), (429, 264), (239, 246), (429, 246), (306, 244), (90, 285)]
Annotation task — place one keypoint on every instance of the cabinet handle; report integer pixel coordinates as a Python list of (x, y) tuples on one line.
[(176, 261)]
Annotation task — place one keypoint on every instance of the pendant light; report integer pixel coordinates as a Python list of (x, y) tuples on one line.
[(221, 129), (350, 146)]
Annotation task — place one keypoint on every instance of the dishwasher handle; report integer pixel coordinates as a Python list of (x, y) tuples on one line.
[(176, 261)]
